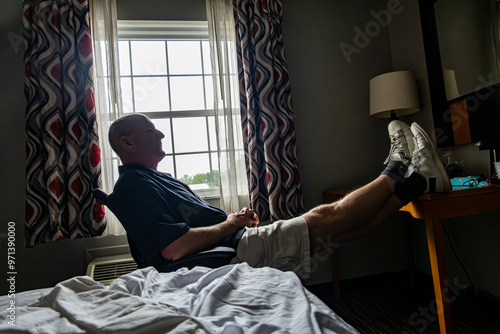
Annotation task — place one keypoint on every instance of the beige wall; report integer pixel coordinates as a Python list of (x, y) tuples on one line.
[(339, 145)]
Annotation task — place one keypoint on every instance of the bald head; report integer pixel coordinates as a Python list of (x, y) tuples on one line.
[(136, 140), (123, 126)]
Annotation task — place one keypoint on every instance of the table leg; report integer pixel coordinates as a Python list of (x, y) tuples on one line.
[(409, 250), (437, 258), (335, 274)]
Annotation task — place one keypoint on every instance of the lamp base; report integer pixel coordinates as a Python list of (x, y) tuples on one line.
[(393, 116)]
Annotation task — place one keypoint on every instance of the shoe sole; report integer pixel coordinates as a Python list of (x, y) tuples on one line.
[(437, 159)]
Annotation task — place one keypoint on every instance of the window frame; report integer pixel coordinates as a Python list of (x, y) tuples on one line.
[(137, 30)]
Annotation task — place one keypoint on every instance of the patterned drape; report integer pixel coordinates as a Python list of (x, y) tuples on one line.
[(62, 152), (266, 109)]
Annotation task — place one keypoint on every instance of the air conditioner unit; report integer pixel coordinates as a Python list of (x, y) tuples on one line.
[(107, 268)]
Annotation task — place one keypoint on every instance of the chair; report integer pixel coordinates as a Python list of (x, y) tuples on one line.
[(212, 258)]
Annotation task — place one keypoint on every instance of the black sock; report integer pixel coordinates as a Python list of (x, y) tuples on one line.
[(395, 170), (412, 187)]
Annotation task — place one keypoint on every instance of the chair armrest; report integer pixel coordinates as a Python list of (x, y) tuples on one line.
[(212, 258)]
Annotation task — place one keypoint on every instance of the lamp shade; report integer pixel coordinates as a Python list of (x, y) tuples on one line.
[(393, 92)]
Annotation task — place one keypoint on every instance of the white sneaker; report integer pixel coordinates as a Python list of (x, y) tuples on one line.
[(427, 163), (402, 144)]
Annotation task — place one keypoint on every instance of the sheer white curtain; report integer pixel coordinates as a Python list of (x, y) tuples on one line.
[(233, 178), (107, 90)]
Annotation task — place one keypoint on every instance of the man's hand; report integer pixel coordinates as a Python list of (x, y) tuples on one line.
[(246, 217), (198, 238)]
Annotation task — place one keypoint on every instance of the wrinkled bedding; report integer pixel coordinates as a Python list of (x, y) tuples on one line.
[(230, 299)]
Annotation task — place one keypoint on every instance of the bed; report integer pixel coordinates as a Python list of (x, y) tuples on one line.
[(229, 299)]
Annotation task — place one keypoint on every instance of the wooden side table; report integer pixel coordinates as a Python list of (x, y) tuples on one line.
[(433, 208)]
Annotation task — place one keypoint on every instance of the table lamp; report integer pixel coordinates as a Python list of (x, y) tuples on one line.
[(393, 94)]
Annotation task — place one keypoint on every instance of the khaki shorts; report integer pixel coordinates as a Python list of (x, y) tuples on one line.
[(283, 245)]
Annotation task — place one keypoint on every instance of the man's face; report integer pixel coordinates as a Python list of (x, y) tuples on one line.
[(147, 141)]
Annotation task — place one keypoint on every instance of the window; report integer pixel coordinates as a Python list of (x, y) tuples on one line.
[(165, 73)]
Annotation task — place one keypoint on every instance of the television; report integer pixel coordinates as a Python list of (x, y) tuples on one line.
[(462, 50)]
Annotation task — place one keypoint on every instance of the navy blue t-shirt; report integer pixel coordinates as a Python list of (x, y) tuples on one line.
[(156, 209)]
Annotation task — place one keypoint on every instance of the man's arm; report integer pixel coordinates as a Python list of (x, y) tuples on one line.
[(198, 238)]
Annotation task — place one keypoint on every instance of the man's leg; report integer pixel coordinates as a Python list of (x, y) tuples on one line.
[(358, 213), (392, 205), (367, 208)]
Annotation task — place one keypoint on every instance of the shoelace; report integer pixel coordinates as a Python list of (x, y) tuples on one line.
[(415, 160), (399, 145)]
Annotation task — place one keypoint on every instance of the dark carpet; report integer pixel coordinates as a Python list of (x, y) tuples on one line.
[(389, 304)]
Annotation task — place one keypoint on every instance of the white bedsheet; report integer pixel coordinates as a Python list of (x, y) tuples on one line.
[(230, 299)]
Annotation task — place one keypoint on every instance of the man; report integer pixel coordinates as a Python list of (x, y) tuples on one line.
[(166, 221)]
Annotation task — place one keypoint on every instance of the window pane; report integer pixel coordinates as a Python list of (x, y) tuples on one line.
[(151, 94), (190, 165), (184, 57), (190, 134), (215, 169), (163, 124), (187, 93), (215, 161), (207, 63), (123, 50), (209, 92), (148, 57), (211, 131), (167, 165), (126, 87)]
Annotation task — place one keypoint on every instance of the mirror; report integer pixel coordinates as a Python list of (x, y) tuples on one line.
[(468, 44), (462, 51)]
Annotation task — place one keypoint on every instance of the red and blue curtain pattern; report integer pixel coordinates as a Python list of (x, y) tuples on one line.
[(266, 110), (62, 151)]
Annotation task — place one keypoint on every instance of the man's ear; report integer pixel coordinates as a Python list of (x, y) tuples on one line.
[(126, 143)]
